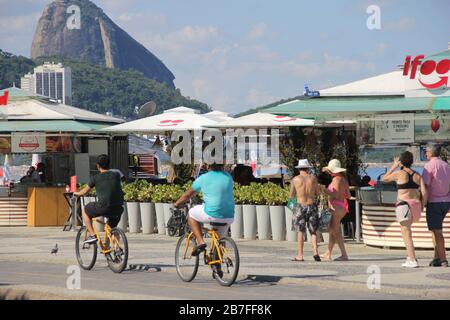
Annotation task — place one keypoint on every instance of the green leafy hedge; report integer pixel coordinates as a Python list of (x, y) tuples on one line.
[(261, 194)]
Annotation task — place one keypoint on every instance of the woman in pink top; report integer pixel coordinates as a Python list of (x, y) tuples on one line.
[(338, 192), (411, 189)]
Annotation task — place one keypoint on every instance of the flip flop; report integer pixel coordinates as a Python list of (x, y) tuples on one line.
[(317, 258), (323, 258), (341, 259), (298, 260)]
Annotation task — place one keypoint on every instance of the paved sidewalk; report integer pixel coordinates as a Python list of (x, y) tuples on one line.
[(261, 262)]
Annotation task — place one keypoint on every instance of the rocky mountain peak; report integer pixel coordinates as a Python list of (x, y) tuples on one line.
[(91, 36)]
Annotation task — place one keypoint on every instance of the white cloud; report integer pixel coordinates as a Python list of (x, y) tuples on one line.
[(257, 97), (14, 24), (258, 31), (403, 25)]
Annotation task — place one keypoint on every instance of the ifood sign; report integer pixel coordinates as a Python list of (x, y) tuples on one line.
[(430, 74)]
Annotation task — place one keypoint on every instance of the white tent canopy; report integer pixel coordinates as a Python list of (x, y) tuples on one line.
[(264, 120), (35, 109), (182, 110), (391, 83), (218, 116), (172, 120)]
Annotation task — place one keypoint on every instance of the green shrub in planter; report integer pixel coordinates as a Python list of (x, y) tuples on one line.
[(237, 193), (275, 195), (92, 193), (145, 193), (131, 192)]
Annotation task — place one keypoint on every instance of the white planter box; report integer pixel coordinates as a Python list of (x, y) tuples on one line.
[(148, 218), (278, 223), (123, 223), (249, 218), (167, 215), (134, 217), (290, 235), (263, 222), (159, 208), (237, 227)]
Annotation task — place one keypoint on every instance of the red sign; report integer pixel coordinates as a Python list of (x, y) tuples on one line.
[(169, 123), (427, 68), (29, 143), (4, 99), (73, 184), (284, 119)]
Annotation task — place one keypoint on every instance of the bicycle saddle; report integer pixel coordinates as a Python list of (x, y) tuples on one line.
[(217, 224)]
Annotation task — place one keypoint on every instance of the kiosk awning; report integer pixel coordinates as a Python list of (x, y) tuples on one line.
[(51, 126), (349, 108)]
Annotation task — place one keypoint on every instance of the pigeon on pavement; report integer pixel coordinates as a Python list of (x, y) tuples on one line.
[(54, 250)]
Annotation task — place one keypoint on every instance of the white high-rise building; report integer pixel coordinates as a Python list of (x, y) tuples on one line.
[(27, 83), (50, 80)]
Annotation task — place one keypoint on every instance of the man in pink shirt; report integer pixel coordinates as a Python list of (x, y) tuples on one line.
[(436, 176)]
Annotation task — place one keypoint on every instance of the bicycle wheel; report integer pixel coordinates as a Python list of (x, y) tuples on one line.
[(227, 272), (118, 257), (186, 263), (86, 253), (171, 227)]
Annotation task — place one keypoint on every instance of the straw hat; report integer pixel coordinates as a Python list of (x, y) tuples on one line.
[(303, 164), (334, 166)]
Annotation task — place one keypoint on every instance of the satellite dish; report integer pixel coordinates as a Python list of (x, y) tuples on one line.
[(147, 110)]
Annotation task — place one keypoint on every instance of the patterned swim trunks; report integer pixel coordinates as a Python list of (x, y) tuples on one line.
[(305, 215)]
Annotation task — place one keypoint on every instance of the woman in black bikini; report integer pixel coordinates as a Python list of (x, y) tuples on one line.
[(411, 193)]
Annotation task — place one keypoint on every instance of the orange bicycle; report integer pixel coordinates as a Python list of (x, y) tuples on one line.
[(222, 256), (114, 246)]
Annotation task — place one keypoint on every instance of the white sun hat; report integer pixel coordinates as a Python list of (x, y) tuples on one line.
[(303, 164), (334, 166)]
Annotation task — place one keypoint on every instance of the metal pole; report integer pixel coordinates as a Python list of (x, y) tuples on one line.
[(73, 204), (358, 221)]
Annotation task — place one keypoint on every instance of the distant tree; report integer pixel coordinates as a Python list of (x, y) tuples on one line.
[(100, 89)]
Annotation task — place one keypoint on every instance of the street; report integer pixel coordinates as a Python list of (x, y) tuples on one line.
[(30, 271)]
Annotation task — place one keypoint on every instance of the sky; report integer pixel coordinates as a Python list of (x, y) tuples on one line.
[(240, 54)]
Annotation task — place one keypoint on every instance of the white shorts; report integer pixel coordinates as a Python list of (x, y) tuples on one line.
[(198, 214)]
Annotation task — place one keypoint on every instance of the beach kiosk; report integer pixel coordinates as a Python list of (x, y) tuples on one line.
[(65, 141), (404, 109)]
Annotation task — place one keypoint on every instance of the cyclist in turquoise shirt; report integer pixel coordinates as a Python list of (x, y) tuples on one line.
[(217, 189)]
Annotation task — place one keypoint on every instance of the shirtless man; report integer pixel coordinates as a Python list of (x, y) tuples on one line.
[(306, 214)]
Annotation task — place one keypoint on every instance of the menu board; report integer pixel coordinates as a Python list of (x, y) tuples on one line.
[(63, 144), (395, 129), (425, 133), (27, 142), (5, 144)]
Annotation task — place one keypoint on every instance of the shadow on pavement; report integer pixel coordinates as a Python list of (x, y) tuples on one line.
[(273, 280), (377, 259), (145, 267)]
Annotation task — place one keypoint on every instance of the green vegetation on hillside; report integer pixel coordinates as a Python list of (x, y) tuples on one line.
[(12, 68), (100, 89), (274, 104)]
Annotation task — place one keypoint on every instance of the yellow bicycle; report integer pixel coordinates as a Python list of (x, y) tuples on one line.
[(222, 256), (114, 246)]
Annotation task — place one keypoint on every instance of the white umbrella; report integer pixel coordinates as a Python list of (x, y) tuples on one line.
[(218, 116), (171, 120), (264, 120)]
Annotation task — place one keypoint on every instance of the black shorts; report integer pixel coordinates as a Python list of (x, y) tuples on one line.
[(112, 213), (436, 213)]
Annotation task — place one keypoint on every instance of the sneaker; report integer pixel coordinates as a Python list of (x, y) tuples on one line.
[(410, 264), (199, 249), (90, 240), (435, 263)]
